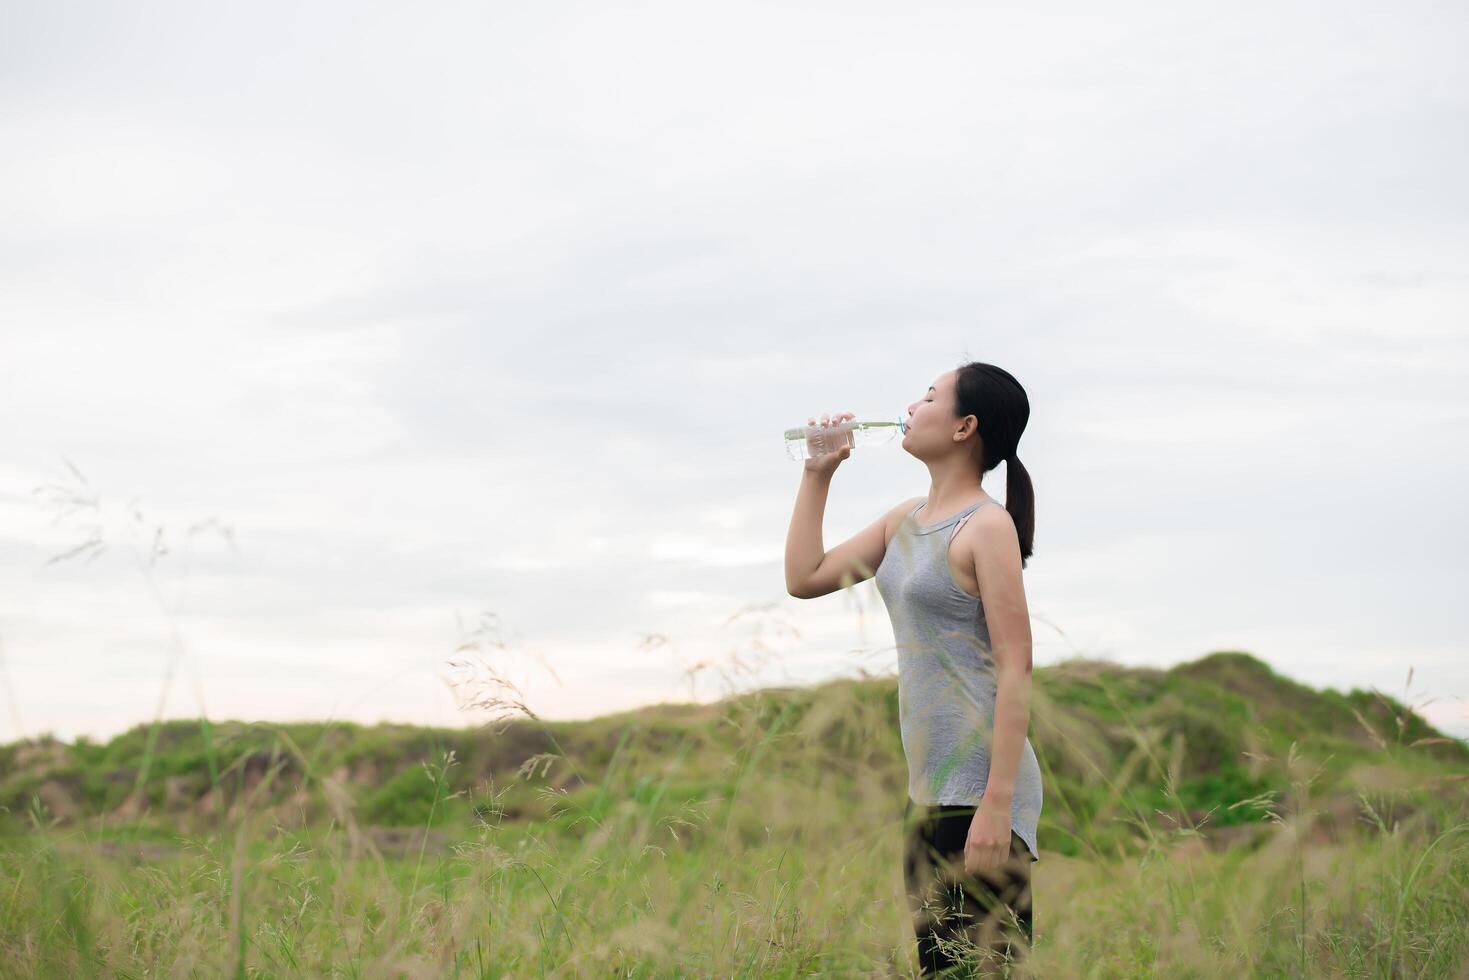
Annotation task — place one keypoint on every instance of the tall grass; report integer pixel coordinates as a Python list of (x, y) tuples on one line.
[(758, 836)]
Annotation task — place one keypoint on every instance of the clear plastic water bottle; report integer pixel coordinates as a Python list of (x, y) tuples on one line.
[(810, 441)]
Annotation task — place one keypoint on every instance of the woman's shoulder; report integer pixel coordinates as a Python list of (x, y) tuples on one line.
[(898, 512), (906, 507), (910, 505)]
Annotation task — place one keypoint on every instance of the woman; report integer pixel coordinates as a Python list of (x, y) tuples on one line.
[(948, 568)]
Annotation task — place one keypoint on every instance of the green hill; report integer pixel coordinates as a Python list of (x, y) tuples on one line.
[(1218, 745), (1213, 819)]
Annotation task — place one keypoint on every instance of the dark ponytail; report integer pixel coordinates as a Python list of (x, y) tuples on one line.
[(993, 396), (1020, 502)]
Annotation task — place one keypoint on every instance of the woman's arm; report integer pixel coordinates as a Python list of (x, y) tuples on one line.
[(811, 570), (997, 567)]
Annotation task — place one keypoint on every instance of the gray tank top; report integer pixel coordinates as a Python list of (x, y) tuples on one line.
[(946, 676)]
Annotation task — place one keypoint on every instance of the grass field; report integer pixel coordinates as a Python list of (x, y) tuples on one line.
[(1212, 820)]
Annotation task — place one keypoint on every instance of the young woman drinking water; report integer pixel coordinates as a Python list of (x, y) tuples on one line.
[(948, 568)]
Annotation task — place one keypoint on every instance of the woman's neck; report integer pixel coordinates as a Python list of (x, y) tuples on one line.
[(952, 487)]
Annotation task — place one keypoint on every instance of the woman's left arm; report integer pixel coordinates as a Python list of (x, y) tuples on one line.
[(997, 567)]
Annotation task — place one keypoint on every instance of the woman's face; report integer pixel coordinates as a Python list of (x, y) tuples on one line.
[(932, 407), (931, 419)]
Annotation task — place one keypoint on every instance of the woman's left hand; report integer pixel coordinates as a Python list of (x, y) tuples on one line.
[(987, 847)]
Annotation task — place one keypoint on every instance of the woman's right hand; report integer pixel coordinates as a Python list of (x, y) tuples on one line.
[(826, 465)]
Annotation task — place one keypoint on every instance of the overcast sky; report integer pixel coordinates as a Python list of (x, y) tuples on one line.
[(494, 313)]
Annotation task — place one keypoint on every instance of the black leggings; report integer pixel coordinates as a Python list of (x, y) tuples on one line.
[(953, 913)]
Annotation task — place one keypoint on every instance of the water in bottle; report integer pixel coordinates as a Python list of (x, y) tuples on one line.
[(810, 441)]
